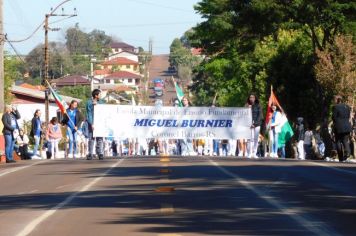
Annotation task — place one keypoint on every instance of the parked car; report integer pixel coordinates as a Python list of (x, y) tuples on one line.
[(158, 91)]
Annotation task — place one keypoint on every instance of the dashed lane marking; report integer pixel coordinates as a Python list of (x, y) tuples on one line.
[(167, 209)]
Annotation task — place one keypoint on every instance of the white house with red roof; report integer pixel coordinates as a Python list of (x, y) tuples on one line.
[(122, 64), (122, 77)]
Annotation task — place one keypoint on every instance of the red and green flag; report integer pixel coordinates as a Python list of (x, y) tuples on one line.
[(58, 99), (286, 129)]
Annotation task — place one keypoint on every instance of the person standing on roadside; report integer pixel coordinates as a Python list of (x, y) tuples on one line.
[(341, 114), (300, 138), (10, 130), (54, 135), (256, 111), (90, 119), (72, 119), (36, 130)]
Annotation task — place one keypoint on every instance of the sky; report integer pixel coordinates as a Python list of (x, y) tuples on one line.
[(132, 21)]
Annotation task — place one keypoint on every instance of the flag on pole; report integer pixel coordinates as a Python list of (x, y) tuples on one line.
[(286, 129), (179, 92), (133, 102), (58, 99)]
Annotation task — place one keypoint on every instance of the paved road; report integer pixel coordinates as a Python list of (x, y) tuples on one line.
[(216, 196)]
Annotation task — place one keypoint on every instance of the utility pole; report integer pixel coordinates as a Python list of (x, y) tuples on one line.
[(46, 55), (2, 75)]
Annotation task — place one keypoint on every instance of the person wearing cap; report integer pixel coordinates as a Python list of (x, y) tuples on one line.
[(10, 130)]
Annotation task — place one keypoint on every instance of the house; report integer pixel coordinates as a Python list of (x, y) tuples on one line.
[(122, 77), (70, 80), (99, 74), (124, 54), (121, 46), (122, 64), (28, 100)]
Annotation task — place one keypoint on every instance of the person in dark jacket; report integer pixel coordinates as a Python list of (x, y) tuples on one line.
[(36, 130), (256, 110), (10, 130), (72, 119), (342, 128), (90, 119), (300, 138)]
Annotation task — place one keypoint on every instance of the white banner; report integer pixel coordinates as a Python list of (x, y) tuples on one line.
[(122, 121)]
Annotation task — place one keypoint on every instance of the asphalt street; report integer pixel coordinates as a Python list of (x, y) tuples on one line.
[(177, 196)]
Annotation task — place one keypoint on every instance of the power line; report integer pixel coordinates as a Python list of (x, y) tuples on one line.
[(42, 23), (159, 5), (16, 52)]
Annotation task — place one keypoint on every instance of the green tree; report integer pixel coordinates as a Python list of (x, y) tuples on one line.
[(13, 71)]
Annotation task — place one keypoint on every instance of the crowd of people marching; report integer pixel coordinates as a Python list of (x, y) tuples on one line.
[(79, 142)]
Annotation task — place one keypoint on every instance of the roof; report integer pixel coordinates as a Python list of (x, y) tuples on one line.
[(124, 88), (102, 72), (35, 93), (71, 80), (122, 45), (120, 61), (30, 86), (122, 75)]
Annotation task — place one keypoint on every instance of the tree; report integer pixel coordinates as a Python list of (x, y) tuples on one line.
[(77, 41), (60, 61), (336, 68), (13, 70)]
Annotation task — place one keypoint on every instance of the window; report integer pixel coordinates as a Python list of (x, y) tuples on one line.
[(129, 80), (128, 66)]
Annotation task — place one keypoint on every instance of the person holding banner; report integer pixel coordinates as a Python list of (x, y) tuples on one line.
[(187, 144), (90, 119), (72, 120), (256, 111), (274, 129)]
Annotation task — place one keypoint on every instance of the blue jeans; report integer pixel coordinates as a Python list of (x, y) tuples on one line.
[(72, 136), (37, 143), (216, 146), (9, 146)]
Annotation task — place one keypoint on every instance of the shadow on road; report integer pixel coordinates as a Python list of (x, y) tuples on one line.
[(208, 201)]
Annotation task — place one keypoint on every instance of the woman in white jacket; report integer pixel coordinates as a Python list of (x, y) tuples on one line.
[(274, 130)]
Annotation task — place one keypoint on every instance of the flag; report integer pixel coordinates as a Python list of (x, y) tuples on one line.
[(272, 100), (179, 92), (58, 99), (286, 129)]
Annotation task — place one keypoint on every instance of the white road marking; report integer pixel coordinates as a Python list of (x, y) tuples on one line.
[(33, 224), (167, 209), (19, 168), (334, 168), (63, 186), (23, 193), (318, 228)]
